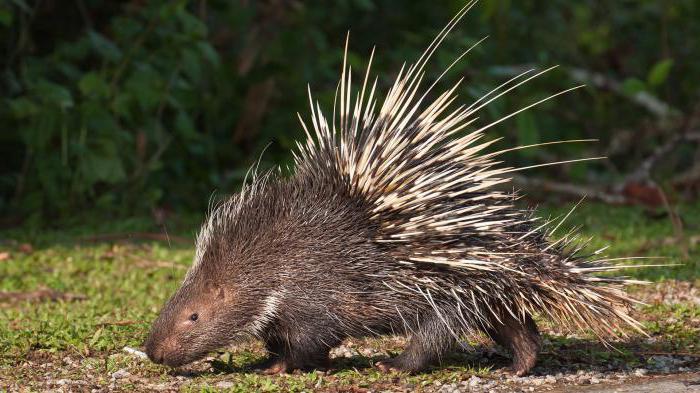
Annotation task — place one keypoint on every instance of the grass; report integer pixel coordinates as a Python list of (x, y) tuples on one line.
[(106, 293)]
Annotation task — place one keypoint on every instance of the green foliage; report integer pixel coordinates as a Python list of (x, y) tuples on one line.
[(127, 106), (96, 113)]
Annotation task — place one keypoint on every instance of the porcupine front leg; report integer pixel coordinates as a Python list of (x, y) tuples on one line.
[(428, 343), (303, 352), (273, 364), (520, 337)]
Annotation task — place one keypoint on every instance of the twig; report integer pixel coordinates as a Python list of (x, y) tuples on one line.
[(162, 264), (644, 99), (257, 98), (117, 323), (677, 224), (691, 354), (19, 189), (134, 236), (41, 295), (643, 172), (152, 23), (84, 14), (542, 185)]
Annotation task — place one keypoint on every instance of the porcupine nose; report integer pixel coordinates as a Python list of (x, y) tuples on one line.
[(156, 353), (158, 356), (155, 350)]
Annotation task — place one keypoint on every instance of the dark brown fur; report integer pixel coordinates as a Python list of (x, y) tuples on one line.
[(311, 245)]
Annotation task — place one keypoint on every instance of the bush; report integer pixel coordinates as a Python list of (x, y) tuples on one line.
[(130, 105)]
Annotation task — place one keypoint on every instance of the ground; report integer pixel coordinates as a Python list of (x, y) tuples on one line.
[(75, 307)]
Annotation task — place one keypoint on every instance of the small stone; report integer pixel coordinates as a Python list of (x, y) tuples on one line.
[(474, 381), (119, 374), (537, 381), (640, 372), (550, 379), (595, 380), (449, 388), (224, 385), (135, 352)]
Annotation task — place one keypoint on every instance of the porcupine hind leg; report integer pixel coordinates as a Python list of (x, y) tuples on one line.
[(520, 337), (427, 344)]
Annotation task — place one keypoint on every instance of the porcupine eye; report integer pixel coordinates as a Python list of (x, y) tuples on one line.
[(194, 317)]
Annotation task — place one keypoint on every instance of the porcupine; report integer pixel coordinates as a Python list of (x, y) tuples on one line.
[(390, 224)]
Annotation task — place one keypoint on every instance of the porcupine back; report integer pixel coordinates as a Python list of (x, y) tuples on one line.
[(428, 187)]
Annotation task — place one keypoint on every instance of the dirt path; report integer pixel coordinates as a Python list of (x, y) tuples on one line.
[(664, 384)]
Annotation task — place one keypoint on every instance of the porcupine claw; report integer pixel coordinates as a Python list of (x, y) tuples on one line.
[(277, 367), (386, 366)]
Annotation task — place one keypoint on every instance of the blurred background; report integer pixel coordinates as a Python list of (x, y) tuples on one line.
[(121, 120), (147, 107)]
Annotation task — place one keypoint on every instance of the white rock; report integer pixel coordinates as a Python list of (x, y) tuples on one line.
[(119, 374), (537, 381), (224, 385), (640, 372), (135, 352)]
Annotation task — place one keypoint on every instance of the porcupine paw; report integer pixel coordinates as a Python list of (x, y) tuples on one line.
[(521, 338), (281, 366), (523, 363), (525, 349), (386, 366), (271, 366), (399, 364)]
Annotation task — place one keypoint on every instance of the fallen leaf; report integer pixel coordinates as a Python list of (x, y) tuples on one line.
[(26, 248), (40, 295)]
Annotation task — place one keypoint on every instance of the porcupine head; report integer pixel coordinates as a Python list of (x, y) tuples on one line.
[(390, 223)]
